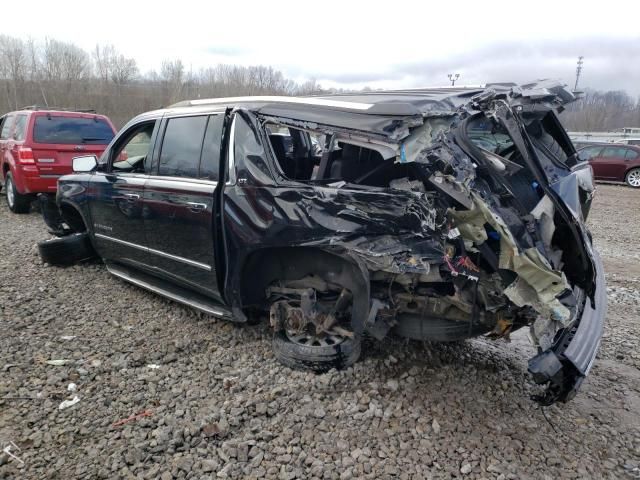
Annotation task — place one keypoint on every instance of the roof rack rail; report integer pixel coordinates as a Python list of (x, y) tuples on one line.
[(61, 109)]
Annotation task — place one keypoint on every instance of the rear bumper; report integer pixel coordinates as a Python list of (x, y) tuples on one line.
[(28, 179), (564, 366), (41, 185)]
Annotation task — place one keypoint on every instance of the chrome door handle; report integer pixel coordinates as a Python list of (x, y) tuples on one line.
[(132, 196), (197, 207)]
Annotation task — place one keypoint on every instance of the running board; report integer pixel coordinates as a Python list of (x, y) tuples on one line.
[(172, 292)]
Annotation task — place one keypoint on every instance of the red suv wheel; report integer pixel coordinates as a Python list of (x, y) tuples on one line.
[(17, 202)]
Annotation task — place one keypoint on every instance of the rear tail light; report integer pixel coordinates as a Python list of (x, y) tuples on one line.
[(25, 156)]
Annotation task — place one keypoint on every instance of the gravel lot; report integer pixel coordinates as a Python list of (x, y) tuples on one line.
[(219, 406)]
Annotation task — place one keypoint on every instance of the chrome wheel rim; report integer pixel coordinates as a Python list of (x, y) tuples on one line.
[(633, 178), (307, 340), (11, 198)]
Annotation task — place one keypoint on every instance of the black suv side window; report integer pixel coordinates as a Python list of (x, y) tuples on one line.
[(6, 127), (181, 146), (131, 152), (210, 160)]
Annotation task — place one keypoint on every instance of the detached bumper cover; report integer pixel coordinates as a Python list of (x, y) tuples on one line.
[(565, 365), (51, 215)]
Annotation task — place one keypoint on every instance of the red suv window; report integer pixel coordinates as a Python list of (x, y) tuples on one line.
[(71, 130), (20, 132), (6, 127)]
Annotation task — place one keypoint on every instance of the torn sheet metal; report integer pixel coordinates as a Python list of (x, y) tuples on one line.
[(422, 138), (392, 254), (570, 187), (537, 285), (544, 213)]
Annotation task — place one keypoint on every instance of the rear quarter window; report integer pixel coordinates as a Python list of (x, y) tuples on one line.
[(631, 155), (21, 127), (7, 124), (71, 130)]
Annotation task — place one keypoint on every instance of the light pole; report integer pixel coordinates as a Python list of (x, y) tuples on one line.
[(453, 77), (578, 72)]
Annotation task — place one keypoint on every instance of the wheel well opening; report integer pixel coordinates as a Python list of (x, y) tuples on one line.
[(73, 218), (265, 267)]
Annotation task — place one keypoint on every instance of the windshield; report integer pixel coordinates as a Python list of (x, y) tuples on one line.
[(71, 130)]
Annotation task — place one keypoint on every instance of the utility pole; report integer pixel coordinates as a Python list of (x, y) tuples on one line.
[(578, 72), (453, 77)]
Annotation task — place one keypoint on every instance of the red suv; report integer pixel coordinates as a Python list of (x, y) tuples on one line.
[(619, 163), (37, 146)]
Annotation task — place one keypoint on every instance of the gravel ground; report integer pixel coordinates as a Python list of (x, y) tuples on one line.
[(213, 403)]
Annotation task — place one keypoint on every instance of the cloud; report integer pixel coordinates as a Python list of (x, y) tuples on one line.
[(226, 50), (610, 64)]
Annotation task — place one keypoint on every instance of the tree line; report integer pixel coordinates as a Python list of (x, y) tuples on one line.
[(602, 111), (60, 74), (54, 73)]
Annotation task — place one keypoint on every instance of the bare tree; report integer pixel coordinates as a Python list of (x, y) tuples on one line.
[(172, 73), (601, 111), (52, 60), (123, 69), (102, 57), (14, 59), (75, 63)]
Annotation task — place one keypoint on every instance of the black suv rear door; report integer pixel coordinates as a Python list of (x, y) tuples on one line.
[(180, 202)]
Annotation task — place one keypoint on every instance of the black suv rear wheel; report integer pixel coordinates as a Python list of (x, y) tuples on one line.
[(18, 203), (317, 353)]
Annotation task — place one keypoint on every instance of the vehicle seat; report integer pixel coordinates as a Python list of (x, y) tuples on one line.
[(347, 167)]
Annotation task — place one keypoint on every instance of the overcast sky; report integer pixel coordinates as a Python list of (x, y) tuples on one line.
[(391, 44)]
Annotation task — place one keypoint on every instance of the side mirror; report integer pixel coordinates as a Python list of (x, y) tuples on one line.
[(85, 163)]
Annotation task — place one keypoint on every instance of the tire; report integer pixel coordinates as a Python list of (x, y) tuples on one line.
[(17, 202), (318, 358), (67, 250), (632, 178), (436, 329)]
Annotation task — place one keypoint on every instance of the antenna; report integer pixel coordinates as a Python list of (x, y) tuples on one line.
[(578, 72)]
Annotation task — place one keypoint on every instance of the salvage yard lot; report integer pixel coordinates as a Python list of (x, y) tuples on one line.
[(219, 405)]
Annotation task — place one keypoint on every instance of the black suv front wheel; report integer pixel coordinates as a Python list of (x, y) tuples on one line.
[(17, 202)]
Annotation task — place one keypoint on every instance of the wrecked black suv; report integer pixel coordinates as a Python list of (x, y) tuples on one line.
[(435, 215)]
